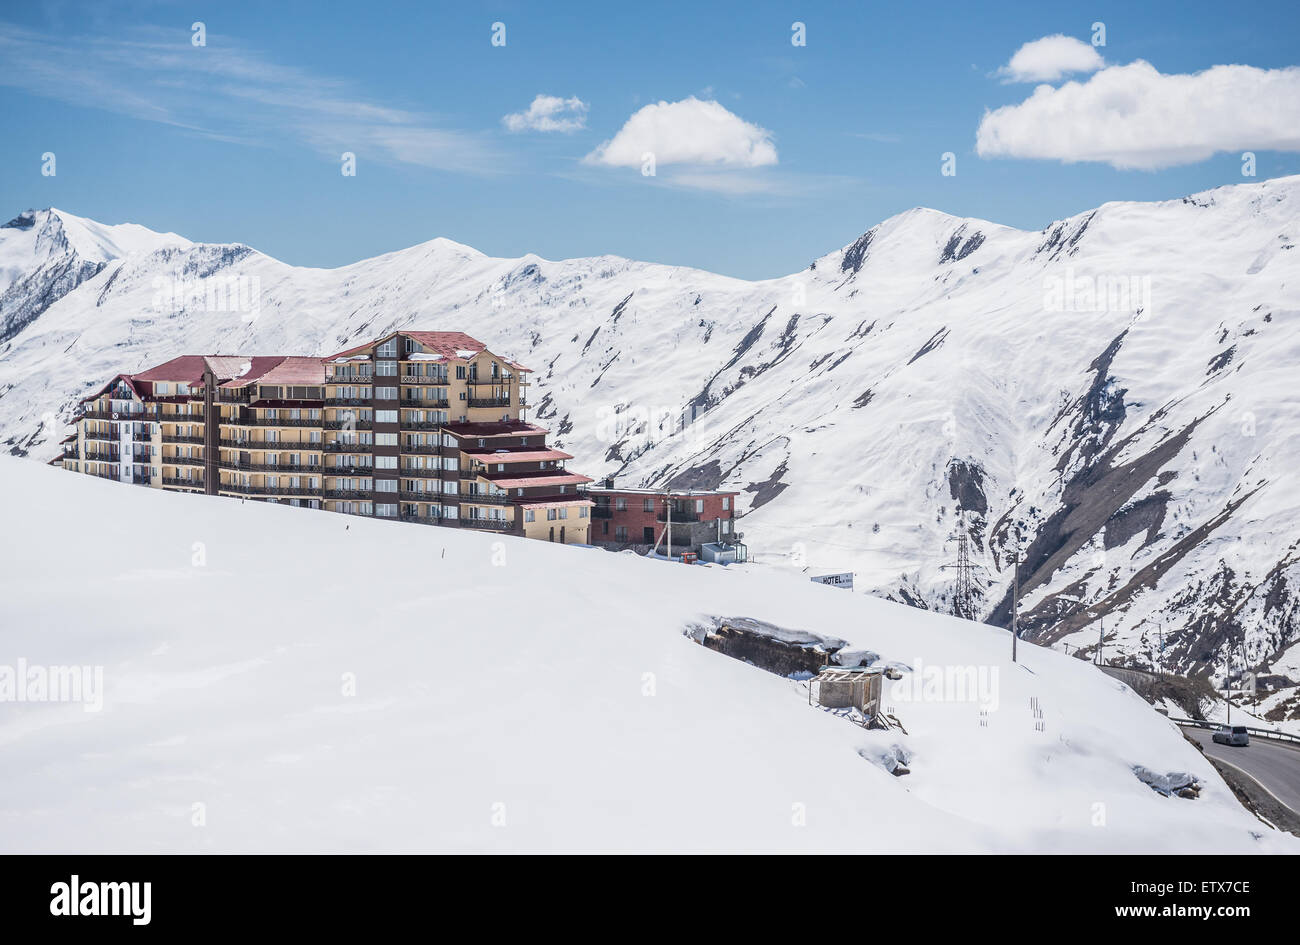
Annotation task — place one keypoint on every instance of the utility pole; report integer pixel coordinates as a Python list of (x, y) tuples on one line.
[(1015, 598), (1101, 639)]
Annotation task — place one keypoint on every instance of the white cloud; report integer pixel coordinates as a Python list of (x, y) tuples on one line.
[(1136, 117), (1050, 58), (549, 113), (687, 132)]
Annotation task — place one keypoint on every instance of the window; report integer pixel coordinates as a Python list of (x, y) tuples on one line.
[(386, 509), (385, 416), (385, 485), (620, 533), (385, 439), (699, 505), (501, 467), (460, 373), (385, 462), (726, 502), (620, 504), (582, 512), (647, 505), (386, 369), (385, 393), (162, 389), (564, 513), (726, 526), (388, 349), (550, 515), (530, 515)]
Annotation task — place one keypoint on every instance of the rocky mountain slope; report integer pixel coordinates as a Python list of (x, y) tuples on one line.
[(1116, 389)]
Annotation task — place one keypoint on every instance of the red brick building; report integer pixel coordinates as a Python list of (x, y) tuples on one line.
[(687, 520)]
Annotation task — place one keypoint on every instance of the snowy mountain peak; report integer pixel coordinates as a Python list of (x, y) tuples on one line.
[(1112, 386)]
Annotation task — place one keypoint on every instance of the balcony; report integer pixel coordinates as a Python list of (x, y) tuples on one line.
[(278, 422), (412, 473), (366, 494), (348, 447), (415, 403), (95, 415), (102, 435), (181, 461), (489, 401), (142, 480), (423, 424), (423, 450), (354, 424), (183, 483), (407, 496), (484, 498), (426, 380), (347, 401), (602, 511), (266, 490), (422, 519), (679, 517), (99, 456), (274, 446), (346, 469), (169, 438), (491, 524), (471, 473), (288, 469)]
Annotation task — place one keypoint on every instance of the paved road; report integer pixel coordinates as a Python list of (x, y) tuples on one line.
[(1275, 765)]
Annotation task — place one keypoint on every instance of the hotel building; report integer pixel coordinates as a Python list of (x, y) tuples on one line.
[(421, 426)]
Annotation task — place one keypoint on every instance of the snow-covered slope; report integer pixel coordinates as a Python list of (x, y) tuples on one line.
[(1142, 442), (502, 694)]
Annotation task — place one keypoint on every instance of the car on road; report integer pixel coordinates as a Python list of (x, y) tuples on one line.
[(1232, 735)]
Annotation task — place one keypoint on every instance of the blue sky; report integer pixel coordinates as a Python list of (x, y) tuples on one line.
[(806, 147)]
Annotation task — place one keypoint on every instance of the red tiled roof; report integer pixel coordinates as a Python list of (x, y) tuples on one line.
[(295, 371), (495, 428), (449, 344), (525, 455), (541, 478), (189, 368), (257, 366), (445, 343)]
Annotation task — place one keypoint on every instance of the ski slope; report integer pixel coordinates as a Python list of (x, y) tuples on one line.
[(322, 683)]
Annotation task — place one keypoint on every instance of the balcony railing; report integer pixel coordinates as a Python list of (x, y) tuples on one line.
[(347, 493), (489, 401), (187, 483), (423, 449), (354, 424), (422, 519), (428, 380), (347, 401), (274, 446), (423, 424), (99, 456), (266, 490), (494, 524), (348, 447), (95, 415), (102, 435), (407, 496), (602, 511), (411, 473), (288, 469), (347, 469), (679, 517), (170, 438), (418, 402), (484, 498), (471, 473), (277, 422), (181, 461)]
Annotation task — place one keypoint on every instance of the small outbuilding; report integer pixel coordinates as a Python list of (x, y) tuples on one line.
[(848, 687)]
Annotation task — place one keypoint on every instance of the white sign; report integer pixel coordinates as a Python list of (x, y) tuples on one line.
[(835, 580)]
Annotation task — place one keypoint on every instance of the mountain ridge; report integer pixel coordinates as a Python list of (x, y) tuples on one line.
[(932, 362)]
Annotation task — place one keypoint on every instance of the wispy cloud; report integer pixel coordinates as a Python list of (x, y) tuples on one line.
[(232, 93), (549, 113)]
